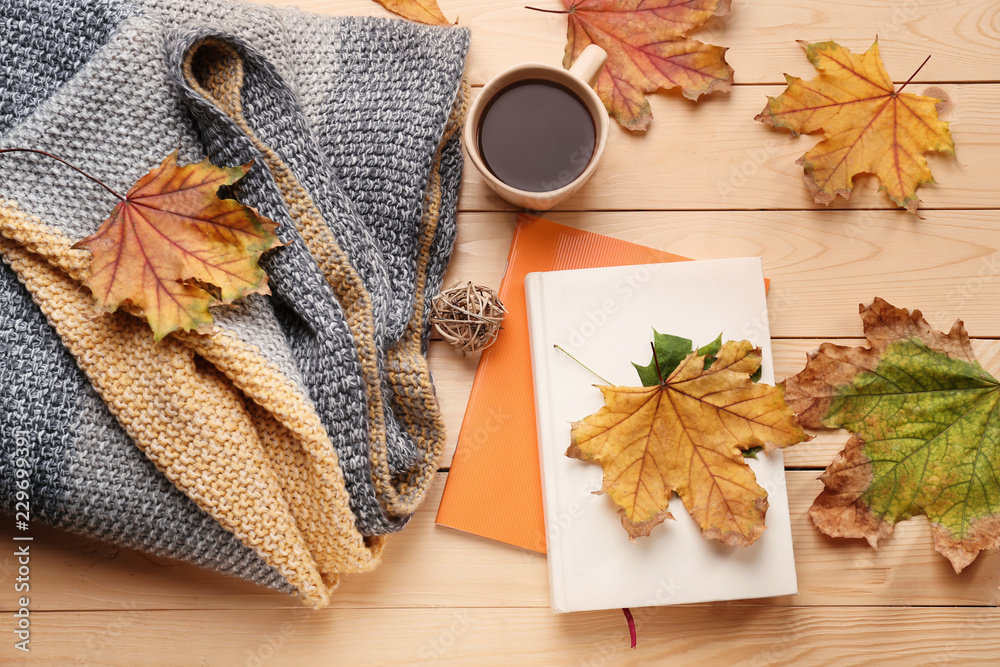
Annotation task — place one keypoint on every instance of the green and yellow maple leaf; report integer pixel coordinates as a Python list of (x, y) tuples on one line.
[(668, 352), (925, 418)]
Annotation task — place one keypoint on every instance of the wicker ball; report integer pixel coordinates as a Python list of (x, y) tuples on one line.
[(468, 316)]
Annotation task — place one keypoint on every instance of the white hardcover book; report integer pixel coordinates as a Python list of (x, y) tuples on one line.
[(605, 317)]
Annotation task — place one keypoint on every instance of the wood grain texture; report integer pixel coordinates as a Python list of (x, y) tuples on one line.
[(731, 161), (822, 263), (681, 636), (761, 34), (706, 181), (428, 566), (714, 155)]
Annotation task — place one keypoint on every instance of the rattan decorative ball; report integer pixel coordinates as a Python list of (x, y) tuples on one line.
[(468, 316)]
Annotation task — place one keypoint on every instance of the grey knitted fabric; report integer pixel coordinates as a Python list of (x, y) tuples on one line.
[(356, 109), (87, 474)]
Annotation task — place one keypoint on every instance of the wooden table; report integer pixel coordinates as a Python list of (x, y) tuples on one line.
[(705, 181)]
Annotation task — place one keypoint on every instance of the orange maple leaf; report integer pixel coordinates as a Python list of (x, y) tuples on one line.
[(869, 126), (422, 11), (687, 436), (172, 248), (647, 51)]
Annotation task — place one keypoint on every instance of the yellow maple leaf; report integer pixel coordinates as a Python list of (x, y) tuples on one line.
[(870, 127), (172, 248), (422, 11), (687, 436)]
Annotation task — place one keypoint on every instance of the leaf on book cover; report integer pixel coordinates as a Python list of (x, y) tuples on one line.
[(686, 436), (422, 11), (869, 126), (669, 352), (172, 248), (925, 419), (648, 50)]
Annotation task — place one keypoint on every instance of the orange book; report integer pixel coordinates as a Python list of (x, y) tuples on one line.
[(494, 487)]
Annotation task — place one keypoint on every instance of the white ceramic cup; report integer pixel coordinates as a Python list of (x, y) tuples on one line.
[(577, 79)]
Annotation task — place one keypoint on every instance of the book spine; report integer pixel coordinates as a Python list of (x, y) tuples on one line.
[(541, 350)]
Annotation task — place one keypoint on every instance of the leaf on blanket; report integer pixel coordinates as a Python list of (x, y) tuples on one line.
[(686, 434), (925, 419), (421, 11), (172, 248)]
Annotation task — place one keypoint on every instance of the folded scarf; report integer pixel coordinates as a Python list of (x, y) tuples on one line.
[(285, 444)]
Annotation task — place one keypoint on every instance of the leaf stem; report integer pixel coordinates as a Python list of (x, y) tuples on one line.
[(547, 11), (561, 349), (912, 76), (657, 362), (59, 159)]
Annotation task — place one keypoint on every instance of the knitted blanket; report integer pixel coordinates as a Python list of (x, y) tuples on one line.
[(285, 444)]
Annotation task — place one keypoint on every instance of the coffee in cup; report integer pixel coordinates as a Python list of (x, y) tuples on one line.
[(536, 135), (536, 131)]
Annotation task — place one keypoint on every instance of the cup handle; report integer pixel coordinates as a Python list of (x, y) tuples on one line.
[(589, 63)]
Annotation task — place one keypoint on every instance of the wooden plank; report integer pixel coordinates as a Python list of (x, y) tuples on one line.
[(761, 34), (430, 566), (455, 374), (674, 636), (904, 571), (822, 263), (715, 156)]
